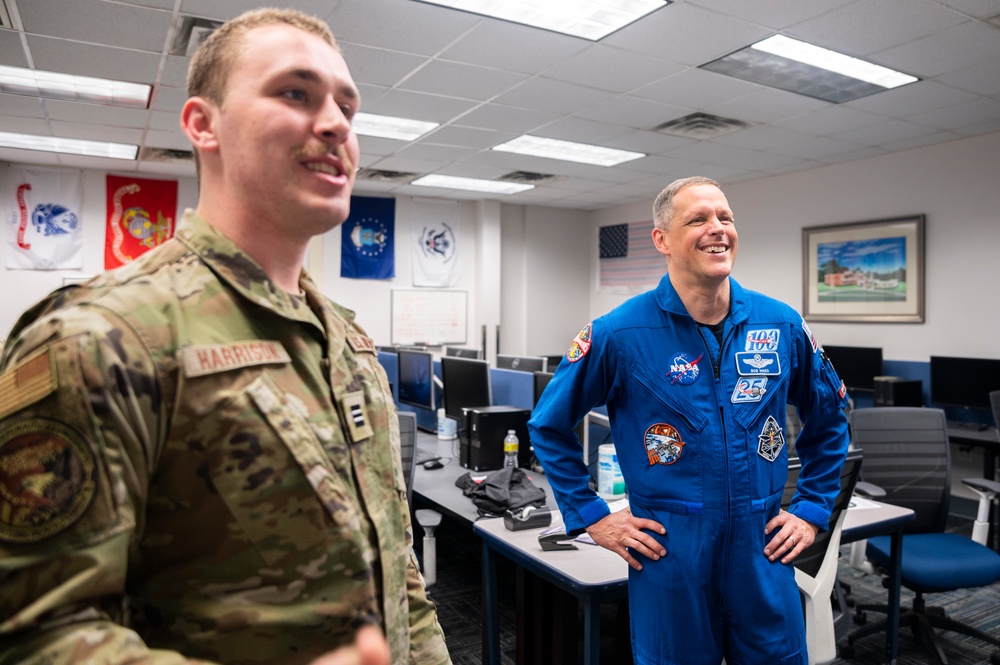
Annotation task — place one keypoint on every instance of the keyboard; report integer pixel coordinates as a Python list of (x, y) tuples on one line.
[(967, 426), (422, 456)]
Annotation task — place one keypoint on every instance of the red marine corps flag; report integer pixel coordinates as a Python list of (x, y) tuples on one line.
[(141, 216)]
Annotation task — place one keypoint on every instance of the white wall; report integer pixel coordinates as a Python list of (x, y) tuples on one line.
[(956, 185)]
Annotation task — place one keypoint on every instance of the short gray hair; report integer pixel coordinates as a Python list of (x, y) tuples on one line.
[(663, 207)]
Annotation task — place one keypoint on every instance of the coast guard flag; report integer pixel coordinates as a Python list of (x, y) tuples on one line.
[(42, 210), (368, 239), (628, 260), (435, 243), (141, 216)]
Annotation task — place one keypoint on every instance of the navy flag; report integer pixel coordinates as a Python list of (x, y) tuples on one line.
[(614, 241), (368, 239)]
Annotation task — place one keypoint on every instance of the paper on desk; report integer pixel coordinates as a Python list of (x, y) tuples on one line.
[(861, 503)]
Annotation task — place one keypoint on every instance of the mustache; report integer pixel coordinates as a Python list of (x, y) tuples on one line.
[(306, 152)]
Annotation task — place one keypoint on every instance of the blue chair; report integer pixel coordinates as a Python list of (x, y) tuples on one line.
[(907, 455)]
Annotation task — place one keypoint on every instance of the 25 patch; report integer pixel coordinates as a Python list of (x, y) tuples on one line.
[(749, 389)]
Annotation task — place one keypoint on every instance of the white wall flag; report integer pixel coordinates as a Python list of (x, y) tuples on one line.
[(435, 244), (42, 209)]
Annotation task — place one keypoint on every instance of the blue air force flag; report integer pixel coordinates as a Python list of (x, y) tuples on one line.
[(368, 238), (42, 211)]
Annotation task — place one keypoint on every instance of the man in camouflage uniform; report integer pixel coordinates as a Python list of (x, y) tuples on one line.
[(199, 454)]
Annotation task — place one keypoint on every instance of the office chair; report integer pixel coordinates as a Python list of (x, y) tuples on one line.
[(907, 454), (816, 567), (427, 519)]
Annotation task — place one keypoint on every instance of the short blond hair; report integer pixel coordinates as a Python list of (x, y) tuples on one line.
[(212, 62), (663, 207)]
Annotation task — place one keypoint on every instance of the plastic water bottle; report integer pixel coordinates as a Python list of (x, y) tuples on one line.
[(510, 445)]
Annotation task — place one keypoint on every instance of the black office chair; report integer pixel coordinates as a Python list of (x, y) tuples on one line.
[(907, 454), (428, 519), (816, 567)]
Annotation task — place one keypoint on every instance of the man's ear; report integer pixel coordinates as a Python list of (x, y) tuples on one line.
[(660, 241), (198, 123)]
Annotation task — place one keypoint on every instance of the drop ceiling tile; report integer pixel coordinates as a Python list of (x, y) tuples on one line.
[(775, 14), (175, 71), (829, 120), (418, 106), (378, 66), (672, 34), (542, 94), (410, 27), (887, 131), (453, 79), (468, 136), (11, 50), (12, 123), (97, 22), (165, 121), (15, 156), (227, 9), (505, 118), (696, 89), (982, 128), (907, 100), (173, 140), (76, 130), (430, 152), (947, 51), (168, 99), (662, 166), (154, 4), (60, 55), (866, 27), (582, 131), (761, 138), (921, 141), (960, 116), (613, 69), (647, 142), (99, 163), (96, 114), (864, 152), (22, 105), (977, 8), (983, 78), (765, 106), (819, 148), (513, 47), (376, 145), (632, 112)]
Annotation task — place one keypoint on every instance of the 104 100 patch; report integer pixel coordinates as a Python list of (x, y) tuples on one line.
[(48, 478), (663, 444)]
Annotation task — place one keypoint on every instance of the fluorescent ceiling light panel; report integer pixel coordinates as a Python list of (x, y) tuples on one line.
[(567, 151), (795, 66), (589, 19), (388, 127), (839, 63), (66, 87), (68, 146), (471, 184)]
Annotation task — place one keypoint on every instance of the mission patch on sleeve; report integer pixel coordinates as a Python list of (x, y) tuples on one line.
[(48, 478)]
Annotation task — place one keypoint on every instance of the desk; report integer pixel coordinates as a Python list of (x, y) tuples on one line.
[(989, 441), (860, 524)]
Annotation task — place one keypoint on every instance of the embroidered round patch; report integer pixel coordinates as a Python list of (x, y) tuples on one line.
[(683, 370), (663, 444), (580, 345), (48, 478)]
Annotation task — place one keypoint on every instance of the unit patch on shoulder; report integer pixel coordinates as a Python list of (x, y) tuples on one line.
[(27, 383), (749, 389), (361, 344), (683, 370), (663, 444), (771, 440), (48, 478), (809, 334), (580, 345)]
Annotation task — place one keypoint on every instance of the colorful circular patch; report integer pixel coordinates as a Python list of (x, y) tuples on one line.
[(683, 370), (580, 345), (48, 478), (663, 444)]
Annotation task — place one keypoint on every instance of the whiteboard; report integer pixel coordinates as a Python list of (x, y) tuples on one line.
[(422, 316)]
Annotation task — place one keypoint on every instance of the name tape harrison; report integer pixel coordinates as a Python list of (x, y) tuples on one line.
[(211, 358)]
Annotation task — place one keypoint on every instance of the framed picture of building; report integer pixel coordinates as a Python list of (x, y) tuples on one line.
[(869, 271)]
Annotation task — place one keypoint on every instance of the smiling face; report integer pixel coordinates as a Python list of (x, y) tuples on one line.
[(280, 145), (700, 242)]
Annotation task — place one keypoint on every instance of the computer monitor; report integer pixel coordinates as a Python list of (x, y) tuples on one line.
[(466, 385), (857, 366), (553, 362), (460, 352), (416, 379), (595, 429), (522, 363), (541, 380), (964, 382)]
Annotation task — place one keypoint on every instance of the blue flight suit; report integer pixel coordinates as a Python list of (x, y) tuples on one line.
[(699, 436)]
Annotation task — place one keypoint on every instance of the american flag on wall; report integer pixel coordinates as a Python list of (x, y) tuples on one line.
[(628, 260)]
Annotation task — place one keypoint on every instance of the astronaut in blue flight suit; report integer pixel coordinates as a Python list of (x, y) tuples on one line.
[(695, 376)]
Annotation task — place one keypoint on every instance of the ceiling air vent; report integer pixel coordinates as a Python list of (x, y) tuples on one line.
[(191, 32), (527, 177), (381, 175), (166, 155), (701, 126)]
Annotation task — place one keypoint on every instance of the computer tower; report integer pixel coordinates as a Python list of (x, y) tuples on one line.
[(481, 439), (894, 391)]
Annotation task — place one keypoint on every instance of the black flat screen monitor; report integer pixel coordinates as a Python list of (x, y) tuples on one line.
[(541, 380), (857, 366), (522, 363), (466, 385), (460, 352), (416, 379), (964, 382)]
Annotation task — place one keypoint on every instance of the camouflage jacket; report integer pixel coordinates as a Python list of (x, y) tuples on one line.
[(196, 465)]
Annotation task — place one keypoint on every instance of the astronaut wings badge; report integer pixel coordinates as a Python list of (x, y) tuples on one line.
[(771, 440)]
